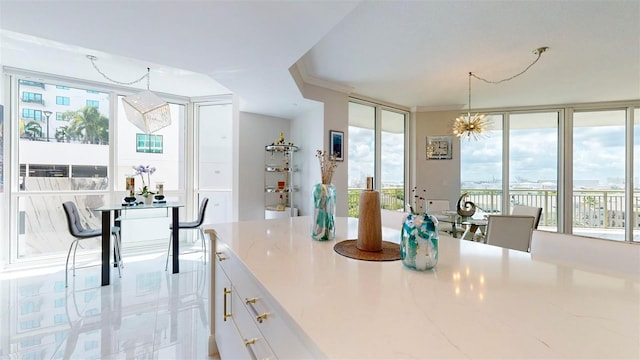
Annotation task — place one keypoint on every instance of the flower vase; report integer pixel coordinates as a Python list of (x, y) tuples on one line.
[(419, 242), (324, 200), (148, 199)]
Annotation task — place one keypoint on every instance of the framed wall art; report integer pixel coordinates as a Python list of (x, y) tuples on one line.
[(439, 147), (336, 144)]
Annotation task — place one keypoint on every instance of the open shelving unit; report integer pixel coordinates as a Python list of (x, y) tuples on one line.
[(279, 186)]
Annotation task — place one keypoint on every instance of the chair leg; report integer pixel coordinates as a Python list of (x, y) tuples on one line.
[(117, 257), (119, 243), (204, 244), (166, 265), (66, 267), (74, 258)]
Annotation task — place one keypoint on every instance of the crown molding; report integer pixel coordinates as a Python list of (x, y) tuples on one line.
[(452, 107), (312, 80)]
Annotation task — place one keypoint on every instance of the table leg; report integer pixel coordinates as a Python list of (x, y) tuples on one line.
[(176, 240), (116, 222), (106, 241)]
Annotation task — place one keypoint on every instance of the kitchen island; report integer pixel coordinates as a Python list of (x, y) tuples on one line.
[(480, 301)]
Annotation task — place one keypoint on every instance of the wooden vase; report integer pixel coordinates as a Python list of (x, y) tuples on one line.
[(369, 223)]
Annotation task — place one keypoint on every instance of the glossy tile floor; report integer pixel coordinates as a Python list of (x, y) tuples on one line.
[(146, 314)]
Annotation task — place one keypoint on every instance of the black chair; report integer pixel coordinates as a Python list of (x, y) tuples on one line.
[(196, 224), (79, 232)]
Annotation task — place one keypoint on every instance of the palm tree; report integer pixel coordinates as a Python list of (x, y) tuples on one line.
[(90, 126), (33, 129)]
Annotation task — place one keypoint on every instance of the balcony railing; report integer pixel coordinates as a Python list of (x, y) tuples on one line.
[(603, 209), (390, 198), (591, 208)]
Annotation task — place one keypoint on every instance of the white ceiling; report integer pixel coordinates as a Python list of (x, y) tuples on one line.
[(414, 54)]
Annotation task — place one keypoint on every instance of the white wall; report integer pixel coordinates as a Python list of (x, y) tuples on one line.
[(307, 128), (335, 117), (255, 132), (441, 178)]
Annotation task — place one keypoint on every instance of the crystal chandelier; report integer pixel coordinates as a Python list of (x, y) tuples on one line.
[(146, 110), (469, 126), (474, 126)]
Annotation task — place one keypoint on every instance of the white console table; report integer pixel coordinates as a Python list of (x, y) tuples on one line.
[(480, 302)]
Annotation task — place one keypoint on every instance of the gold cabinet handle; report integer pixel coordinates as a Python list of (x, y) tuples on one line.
[(249, 342), (259, 317), (219, 255), (225, 314)]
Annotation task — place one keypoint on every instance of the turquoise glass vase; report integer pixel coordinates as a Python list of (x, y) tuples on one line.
[(419, 243), (324, 213)]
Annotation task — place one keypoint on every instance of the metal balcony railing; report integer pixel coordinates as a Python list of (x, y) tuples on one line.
[(599, 209)]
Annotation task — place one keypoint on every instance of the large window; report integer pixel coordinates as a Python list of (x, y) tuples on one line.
[(599, 173), (481, 167), (377, 148), (54, 169), (573, 163), (533, 163)]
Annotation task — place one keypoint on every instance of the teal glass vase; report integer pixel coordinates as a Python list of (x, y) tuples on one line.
[(324, 213), (419, 243)]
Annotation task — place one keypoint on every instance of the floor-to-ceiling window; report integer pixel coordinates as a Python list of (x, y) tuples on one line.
[(377, 148), (72, 142), (163, 152), (481, 166), (599, 173), (586, 144), (392, 155), (62, 154), (533, 163)]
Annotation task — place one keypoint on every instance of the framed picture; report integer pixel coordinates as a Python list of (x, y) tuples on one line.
[(439, 147), (336, 144)]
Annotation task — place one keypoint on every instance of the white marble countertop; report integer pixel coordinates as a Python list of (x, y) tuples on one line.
[(480, 302)]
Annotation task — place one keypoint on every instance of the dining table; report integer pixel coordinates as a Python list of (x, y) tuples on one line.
[(115, 209)]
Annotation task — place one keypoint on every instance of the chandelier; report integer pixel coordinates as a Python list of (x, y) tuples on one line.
[(474, 126), (469, 126), (146, 110)]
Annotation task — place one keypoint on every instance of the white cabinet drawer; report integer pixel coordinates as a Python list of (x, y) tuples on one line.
[(281, 333), (253, 339)]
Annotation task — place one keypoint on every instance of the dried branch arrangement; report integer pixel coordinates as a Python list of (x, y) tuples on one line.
[(327, 165)]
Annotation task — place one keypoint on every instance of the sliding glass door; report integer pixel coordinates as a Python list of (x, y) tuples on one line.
[(377, 148), (599, 173), (533, 164)]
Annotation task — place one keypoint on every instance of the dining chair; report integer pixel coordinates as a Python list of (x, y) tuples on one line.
[(392, 219), (196, 224), (510, 231), (536, 212), (79, 232), (612, 257)]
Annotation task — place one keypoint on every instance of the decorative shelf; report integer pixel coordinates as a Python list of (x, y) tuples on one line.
[(281, 148), (273, 189), (276, 168)]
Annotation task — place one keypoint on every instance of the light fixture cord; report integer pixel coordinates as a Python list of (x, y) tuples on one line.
[(93, 62), (538, 51), (469, 111)]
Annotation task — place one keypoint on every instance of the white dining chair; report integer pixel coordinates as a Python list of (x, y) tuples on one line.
[(618, 258), (510, 231), (536, 212), (392, 219)]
